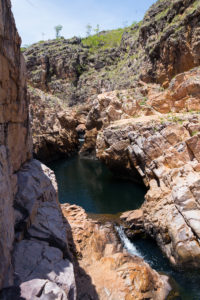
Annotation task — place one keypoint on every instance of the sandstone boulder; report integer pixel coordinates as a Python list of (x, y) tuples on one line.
[(163, 152), (115, 274)]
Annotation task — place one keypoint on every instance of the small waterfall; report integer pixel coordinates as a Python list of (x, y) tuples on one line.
[(127, 243), (81, 139)]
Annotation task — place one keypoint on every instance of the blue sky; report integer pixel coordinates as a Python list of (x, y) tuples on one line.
[(35, 19)]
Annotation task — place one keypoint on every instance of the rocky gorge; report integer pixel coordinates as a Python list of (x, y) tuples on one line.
[(137, 103)]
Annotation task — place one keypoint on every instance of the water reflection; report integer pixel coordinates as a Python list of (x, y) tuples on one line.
[(90, 184)]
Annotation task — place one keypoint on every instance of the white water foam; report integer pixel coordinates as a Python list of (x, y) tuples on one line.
[(130, 247)]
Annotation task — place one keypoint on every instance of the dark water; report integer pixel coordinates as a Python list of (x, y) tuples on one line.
[(90, 184), (187, 282)]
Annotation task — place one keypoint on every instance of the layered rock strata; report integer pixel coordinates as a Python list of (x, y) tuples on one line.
[(53, 127), (98, 255), (14, 132), (165, 43), (34, 256), (164, 152), (144, 100)]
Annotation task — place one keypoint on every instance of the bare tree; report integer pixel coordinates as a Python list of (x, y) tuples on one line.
[(97, 29), (88, 29)]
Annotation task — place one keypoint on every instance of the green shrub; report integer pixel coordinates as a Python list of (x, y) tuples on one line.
[(195, 132), (110, 39)]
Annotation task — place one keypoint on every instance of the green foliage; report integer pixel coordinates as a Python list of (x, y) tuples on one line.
[(175, 119), (155, 129), (143, 102), (195, 132), (109, 39), (58, 29), (162, 14), (81, 69), (134, 23), (162, 121), (23, 49), (97, 29)]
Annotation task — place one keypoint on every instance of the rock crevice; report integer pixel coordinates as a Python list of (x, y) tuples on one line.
[(158, 149), (35, 259)]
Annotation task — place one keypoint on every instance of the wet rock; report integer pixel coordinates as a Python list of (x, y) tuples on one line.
[(88, 148), (165, 155), (115, 274)]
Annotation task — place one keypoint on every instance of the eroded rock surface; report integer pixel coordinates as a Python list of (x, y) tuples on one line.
[(41, 256), (36, 261), (144, 100), (14, 133), (53, 127), (99, 255), (116, 71), (34, 257), (165, 43), (163, 151)]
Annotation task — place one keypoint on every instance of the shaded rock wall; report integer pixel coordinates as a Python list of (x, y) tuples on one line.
[(53, 127), (15, 143), (34, 255)]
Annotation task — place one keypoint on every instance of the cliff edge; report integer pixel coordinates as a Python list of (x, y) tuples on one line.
[(35, 261)]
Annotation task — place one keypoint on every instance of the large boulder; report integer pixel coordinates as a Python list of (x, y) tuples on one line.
[(100, 256), (34, 255), (163, 152)]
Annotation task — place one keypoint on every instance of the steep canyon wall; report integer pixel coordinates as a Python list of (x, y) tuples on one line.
[(34, 256)]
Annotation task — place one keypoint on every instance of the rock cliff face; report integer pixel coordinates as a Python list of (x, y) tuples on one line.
[(168, 41), (163, 152), (115, 274), (14, 132), (137, 138), (37, 243), (182, 95), (53, 127), (165, 43), (35, 260), (127, 88)]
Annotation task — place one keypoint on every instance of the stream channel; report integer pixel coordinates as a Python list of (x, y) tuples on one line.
[(88, 183)]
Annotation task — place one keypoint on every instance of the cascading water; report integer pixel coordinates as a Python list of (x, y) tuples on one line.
[(91, 185), (130, 247)]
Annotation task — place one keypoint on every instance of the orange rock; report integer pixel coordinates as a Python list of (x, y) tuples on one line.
[(165, 155), (115, 274)]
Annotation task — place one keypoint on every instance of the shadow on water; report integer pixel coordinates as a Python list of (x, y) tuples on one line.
[(188, 281), (90, 184), (44, 245)]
